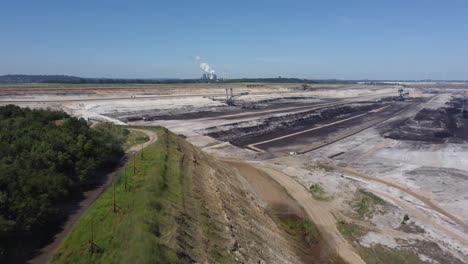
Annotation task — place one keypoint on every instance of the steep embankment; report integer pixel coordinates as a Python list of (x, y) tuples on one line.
[(292, 207), (178, 204)]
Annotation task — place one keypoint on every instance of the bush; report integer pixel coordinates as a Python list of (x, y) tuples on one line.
[(405, 219)]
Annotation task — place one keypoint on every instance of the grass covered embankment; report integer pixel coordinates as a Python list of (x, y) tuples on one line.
[(181, 205), (139, 228), (168, 210)]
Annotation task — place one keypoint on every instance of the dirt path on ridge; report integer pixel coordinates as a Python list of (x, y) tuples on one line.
[(152, 138), (44, 254)]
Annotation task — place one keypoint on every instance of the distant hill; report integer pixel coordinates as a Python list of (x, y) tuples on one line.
[(23, 78)]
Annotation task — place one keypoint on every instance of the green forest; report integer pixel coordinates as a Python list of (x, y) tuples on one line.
[(45, 157)]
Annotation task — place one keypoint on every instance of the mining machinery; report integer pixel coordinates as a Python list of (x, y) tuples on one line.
[(402, 94), (464, 109), (231, 98)]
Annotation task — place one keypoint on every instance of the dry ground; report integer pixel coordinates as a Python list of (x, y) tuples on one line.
[(427, 181)]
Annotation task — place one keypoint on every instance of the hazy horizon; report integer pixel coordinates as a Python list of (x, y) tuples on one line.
[(240, 78)]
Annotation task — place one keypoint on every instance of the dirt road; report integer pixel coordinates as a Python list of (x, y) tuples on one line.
[(268, 191), (45, 253), (427, 202), (152, 138), (317, 212)]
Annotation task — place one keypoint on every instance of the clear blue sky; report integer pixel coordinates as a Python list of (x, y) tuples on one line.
[(373, 39)]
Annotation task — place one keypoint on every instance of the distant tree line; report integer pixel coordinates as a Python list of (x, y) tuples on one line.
[(286, 80), (185, 81), (66, 79), (125, 81), (45, 156), (25, 78), (19, 78)]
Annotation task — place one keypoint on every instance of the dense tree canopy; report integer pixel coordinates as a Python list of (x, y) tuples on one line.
[(45, 155)]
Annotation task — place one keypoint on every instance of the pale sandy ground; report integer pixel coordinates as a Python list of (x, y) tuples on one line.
[(438, 174), (96, 104), (318, 213), (366, 154), (394, 161)]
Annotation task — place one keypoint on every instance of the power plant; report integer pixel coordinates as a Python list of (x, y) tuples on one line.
[(208, 73), (209, 76)]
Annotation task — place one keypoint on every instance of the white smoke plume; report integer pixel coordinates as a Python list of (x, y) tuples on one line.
[(206, 68)]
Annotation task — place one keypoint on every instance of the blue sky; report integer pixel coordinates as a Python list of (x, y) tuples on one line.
[(308, 39)]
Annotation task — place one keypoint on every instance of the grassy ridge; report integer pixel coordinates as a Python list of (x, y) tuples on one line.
[(141, 231), (172, 213)]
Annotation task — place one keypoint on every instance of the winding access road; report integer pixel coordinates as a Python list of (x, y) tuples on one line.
[(317, 212), (44, 254)]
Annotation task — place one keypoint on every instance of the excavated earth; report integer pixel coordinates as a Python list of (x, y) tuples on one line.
[(294, 131), (361, 137), (247, 132), (441, 125), (242, 222), (193, 112)]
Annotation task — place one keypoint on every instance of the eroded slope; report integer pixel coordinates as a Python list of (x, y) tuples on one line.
[(178, 205)]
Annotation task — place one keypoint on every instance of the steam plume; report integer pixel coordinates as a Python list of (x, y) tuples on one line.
[(209, 73), (206, 68)]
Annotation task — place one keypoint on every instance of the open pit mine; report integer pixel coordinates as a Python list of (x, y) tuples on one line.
[(379, 168)]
